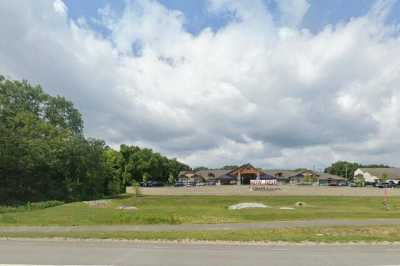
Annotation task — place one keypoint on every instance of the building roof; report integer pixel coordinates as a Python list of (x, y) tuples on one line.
[(326, 176), (210, 174), (181, 173), (281, 173), (392, 172)]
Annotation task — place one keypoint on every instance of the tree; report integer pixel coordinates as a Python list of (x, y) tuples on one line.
[(136, 162), (171, 179), (230, 167), (343, 168), (43, 153), (359, 180), (200, 168), (146, 177), (347, 169)]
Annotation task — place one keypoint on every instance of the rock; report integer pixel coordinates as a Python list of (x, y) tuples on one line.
[(286, 208), (97, 203), (247, 205), (127, 208), (300, 204)]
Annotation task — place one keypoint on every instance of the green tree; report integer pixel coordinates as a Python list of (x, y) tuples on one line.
[(43, 153), (359, 180), (343, 168), (146, 177), (347, 169), (171, 179), (230, 167)]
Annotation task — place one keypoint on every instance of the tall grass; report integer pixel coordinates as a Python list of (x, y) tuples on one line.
[(31, 206)]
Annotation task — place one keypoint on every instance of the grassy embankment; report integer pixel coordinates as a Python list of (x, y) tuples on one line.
[(200, 209), (318, 235)]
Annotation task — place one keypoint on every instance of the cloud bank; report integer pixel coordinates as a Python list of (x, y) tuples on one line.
[(256, 90)]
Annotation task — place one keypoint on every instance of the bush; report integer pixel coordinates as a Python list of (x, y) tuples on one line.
[(31, 206)]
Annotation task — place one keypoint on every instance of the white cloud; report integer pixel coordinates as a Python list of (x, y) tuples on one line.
[(60, 7), (256, 91)]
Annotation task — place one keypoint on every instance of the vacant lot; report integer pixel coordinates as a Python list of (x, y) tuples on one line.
[(286, 190), (203, 209)]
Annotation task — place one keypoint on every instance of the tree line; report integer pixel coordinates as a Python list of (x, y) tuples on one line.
[(347, 169), (44, 154)]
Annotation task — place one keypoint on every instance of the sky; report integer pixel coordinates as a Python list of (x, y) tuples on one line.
[(279, 84)]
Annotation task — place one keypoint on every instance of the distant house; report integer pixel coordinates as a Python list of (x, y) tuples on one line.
[(306, 177), (293, 177), (212, 176), (247, 172), (240, 175), (372, 175), (282, 176), (325, 179), (189, 177)]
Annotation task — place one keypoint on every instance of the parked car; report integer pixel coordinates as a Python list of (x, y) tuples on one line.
[(152, 183), (388, 184), (155, 184), (179, 184), (211, 182)]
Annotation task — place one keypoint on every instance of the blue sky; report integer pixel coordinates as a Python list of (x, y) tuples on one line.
[(320, 14)]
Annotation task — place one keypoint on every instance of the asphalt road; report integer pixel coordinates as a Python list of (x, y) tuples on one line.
[(56, 252)]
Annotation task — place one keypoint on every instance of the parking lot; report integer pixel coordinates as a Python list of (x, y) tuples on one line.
[(283, 190)]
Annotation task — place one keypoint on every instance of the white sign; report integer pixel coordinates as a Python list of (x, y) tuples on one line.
[(264, 182)]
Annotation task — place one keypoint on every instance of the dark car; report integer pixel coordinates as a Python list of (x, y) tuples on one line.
[(389, 184), (152, 183), (179, 184), (155, 184)]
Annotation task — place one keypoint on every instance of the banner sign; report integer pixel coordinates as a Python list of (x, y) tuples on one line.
[(266, 184)]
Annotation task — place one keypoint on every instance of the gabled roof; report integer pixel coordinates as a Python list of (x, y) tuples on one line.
[(181, 173), (325, 176), (245, 166), (286, 174), (209, 174), (392, 172), (281, 173)]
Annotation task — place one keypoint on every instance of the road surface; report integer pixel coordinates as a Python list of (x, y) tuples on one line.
[(199, 227), (56, 252)]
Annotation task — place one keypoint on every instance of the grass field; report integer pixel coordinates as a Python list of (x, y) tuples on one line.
[(319, 235), (202, 209)]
